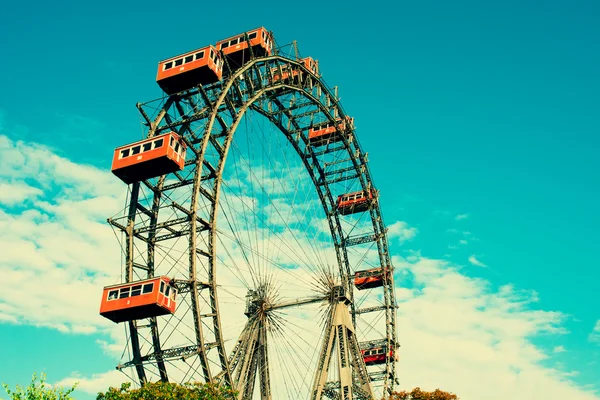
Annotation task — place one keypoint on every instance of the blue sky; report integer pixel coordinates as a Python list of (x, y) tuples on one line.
[(480, 120)]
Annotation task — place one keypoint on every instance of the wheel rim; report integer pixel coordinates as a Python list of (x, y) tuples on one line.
[(163, 212)]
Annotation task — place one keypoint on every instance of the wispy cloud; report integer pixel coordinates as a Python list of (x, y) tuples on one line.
[(402, 231), (54, 240), (473, 260), (15, 193), (461, 335), (457, 332), (559, 349), (476, 342), (595, 334), (94, 384), (461, 217)]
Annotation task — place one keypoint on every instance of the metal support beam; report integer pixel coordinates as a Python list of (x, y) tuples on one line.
[(340, 337)]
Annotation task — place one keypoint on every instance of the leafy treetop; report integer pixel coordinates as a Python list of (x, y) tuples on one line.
[(168, 391), (418, 394), (39, 391)]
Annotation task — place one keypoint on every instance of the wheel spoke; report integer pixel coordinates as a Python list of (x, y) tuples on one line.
[(250, 233)]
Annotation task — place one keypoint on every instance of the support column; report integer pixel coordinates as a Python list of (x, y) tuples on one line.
[(340, 337)]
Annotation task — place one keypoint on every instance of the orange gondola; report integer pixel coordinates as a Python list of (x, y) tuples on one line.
[(370, 278), (198, 67), (322, 134), (237, 51), (136, 300), (377, 354), (287, 71), (354, 202), (149, 158)]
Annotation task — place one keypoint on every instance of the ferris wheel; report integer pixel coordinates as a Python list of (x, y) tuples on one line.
[(255, 252)]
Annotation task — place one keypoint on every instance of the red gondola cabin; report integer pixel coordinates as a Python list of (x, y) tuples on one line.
[(370, 278), (198, 67), (237, 51), (354, 202), (137, 300), (286, 71), (376, 354), (149, 158), (322, 134)]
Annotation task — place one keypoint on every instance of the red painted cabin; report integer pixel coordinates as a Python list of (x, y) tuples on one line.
[(286, 72), (374, 355), (149, 158), (370, 278), (198, 67), (326, 133), (237, 51), (354, 202), (137, 300)]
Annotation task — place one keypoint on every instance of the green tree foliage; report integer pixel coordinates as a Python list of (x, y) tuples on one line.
[(418, 394), (39, 390), (168, 391)]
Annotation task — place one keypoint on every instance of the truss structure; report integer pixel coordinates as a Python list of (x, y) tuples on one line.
[(171, 227)]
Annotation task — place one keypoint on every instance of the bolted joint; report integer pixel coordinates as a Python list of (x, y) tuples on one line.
[(339, 294), (251, 303)]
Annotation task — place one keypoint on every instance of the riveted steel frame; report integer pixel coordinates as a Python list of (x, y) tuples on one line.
[(207, 118)]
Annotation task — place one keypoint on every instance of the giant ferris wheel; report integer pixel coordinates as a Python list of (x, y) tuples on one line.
[(255, 252)]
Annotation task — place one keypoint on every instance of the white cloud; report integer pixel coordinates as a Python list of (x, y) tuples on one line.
[(461, 217), (595, 334), (463, 242), (17, 192), (473, 260), (460, 335), (94, 384), (58, 249), (456, 332), (401, 231), (559, 349)]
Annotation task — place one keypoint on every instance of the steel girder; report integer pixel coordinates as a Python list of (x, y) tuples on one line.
[(207, 118)]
